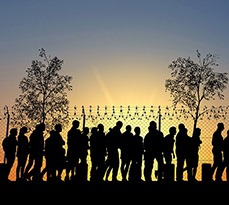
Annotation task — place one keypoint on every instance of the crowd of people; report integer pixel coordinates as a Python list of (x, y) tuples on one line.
[(134, 155)]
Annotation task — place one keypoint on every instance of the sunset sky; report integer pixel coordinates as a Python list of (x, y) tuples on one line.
[(117, 51)]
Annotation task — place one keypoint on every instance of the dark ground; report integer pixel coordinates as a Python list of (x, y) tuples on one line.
[(114, 191)]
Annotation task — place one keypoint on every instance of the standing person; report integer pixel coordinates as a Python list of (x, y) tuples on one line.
[(59, 151), (22, 153), (83, 153), (108, 160), (98, 152), (153, 148), (113, 146), (193, 154), (54, 154), (93, 154), (136, 153), (9, 145), (37, 144), (226, 155), (126, 142), (73, 137), (181, 143), (169, 142), (50, 152), (84, 146), (217, 151), (169, 154)]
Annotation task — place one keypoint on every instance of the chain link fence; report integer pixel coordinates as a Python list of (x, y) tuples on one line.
[(138, 116)]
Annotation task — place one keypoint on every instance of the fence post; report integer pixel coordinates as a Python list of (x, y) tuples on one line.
[(159, 118), (7, 125), (84, 117)]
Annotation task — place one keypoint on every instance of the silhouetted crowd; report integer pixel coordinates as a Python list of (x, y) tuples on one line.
[(128, 152)]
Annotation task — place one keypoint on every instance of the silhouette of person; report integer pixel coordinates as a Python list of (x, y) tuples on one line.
[(217, 151), (60, 151), (54, 154), (193, 153), (9, 145), (136, 153), (93, 154), (181, 143), (126, 142), (22, 153), (98, 152), (50, 160), (36, 144), (226, 155), (73, 137), (113, 146), (153, 147), (108, 160), (84, 145), (169, 142), (169, 153), (83, 152)]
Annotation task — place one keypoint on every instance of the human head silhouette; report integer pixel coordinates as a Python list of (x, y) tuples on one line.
[(119, 124), (137, 130), (128, 128), (100, 127), (23, 130), (58, 127), (13, 131), (181, 127), (172, 130), (75, 123), (220, 126)]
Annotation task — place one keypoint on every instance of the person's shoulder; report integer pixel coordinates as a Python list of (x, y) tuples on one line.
[(5, 140), (140, 137), (70, 131), (78, 131), (160, 133), (33, 133)]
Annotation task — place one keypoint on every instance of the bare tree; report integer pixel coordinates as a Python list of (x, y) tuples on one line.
[(44, 96), (191, 83)]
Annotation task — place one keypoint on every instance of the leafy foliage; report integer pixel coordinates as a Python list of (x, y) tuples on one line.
[(192, 82), (44, 97)]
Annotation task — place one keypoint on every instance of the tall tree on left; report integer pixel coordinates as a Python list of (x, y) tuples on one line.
[(44, 94)]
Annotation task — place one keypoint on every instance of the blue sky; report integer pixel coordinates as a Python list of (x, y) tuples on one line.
[(117, 51)]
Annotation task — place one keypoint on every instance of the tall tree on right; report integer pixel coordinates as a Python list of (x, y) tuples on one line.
[(193, 82)]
